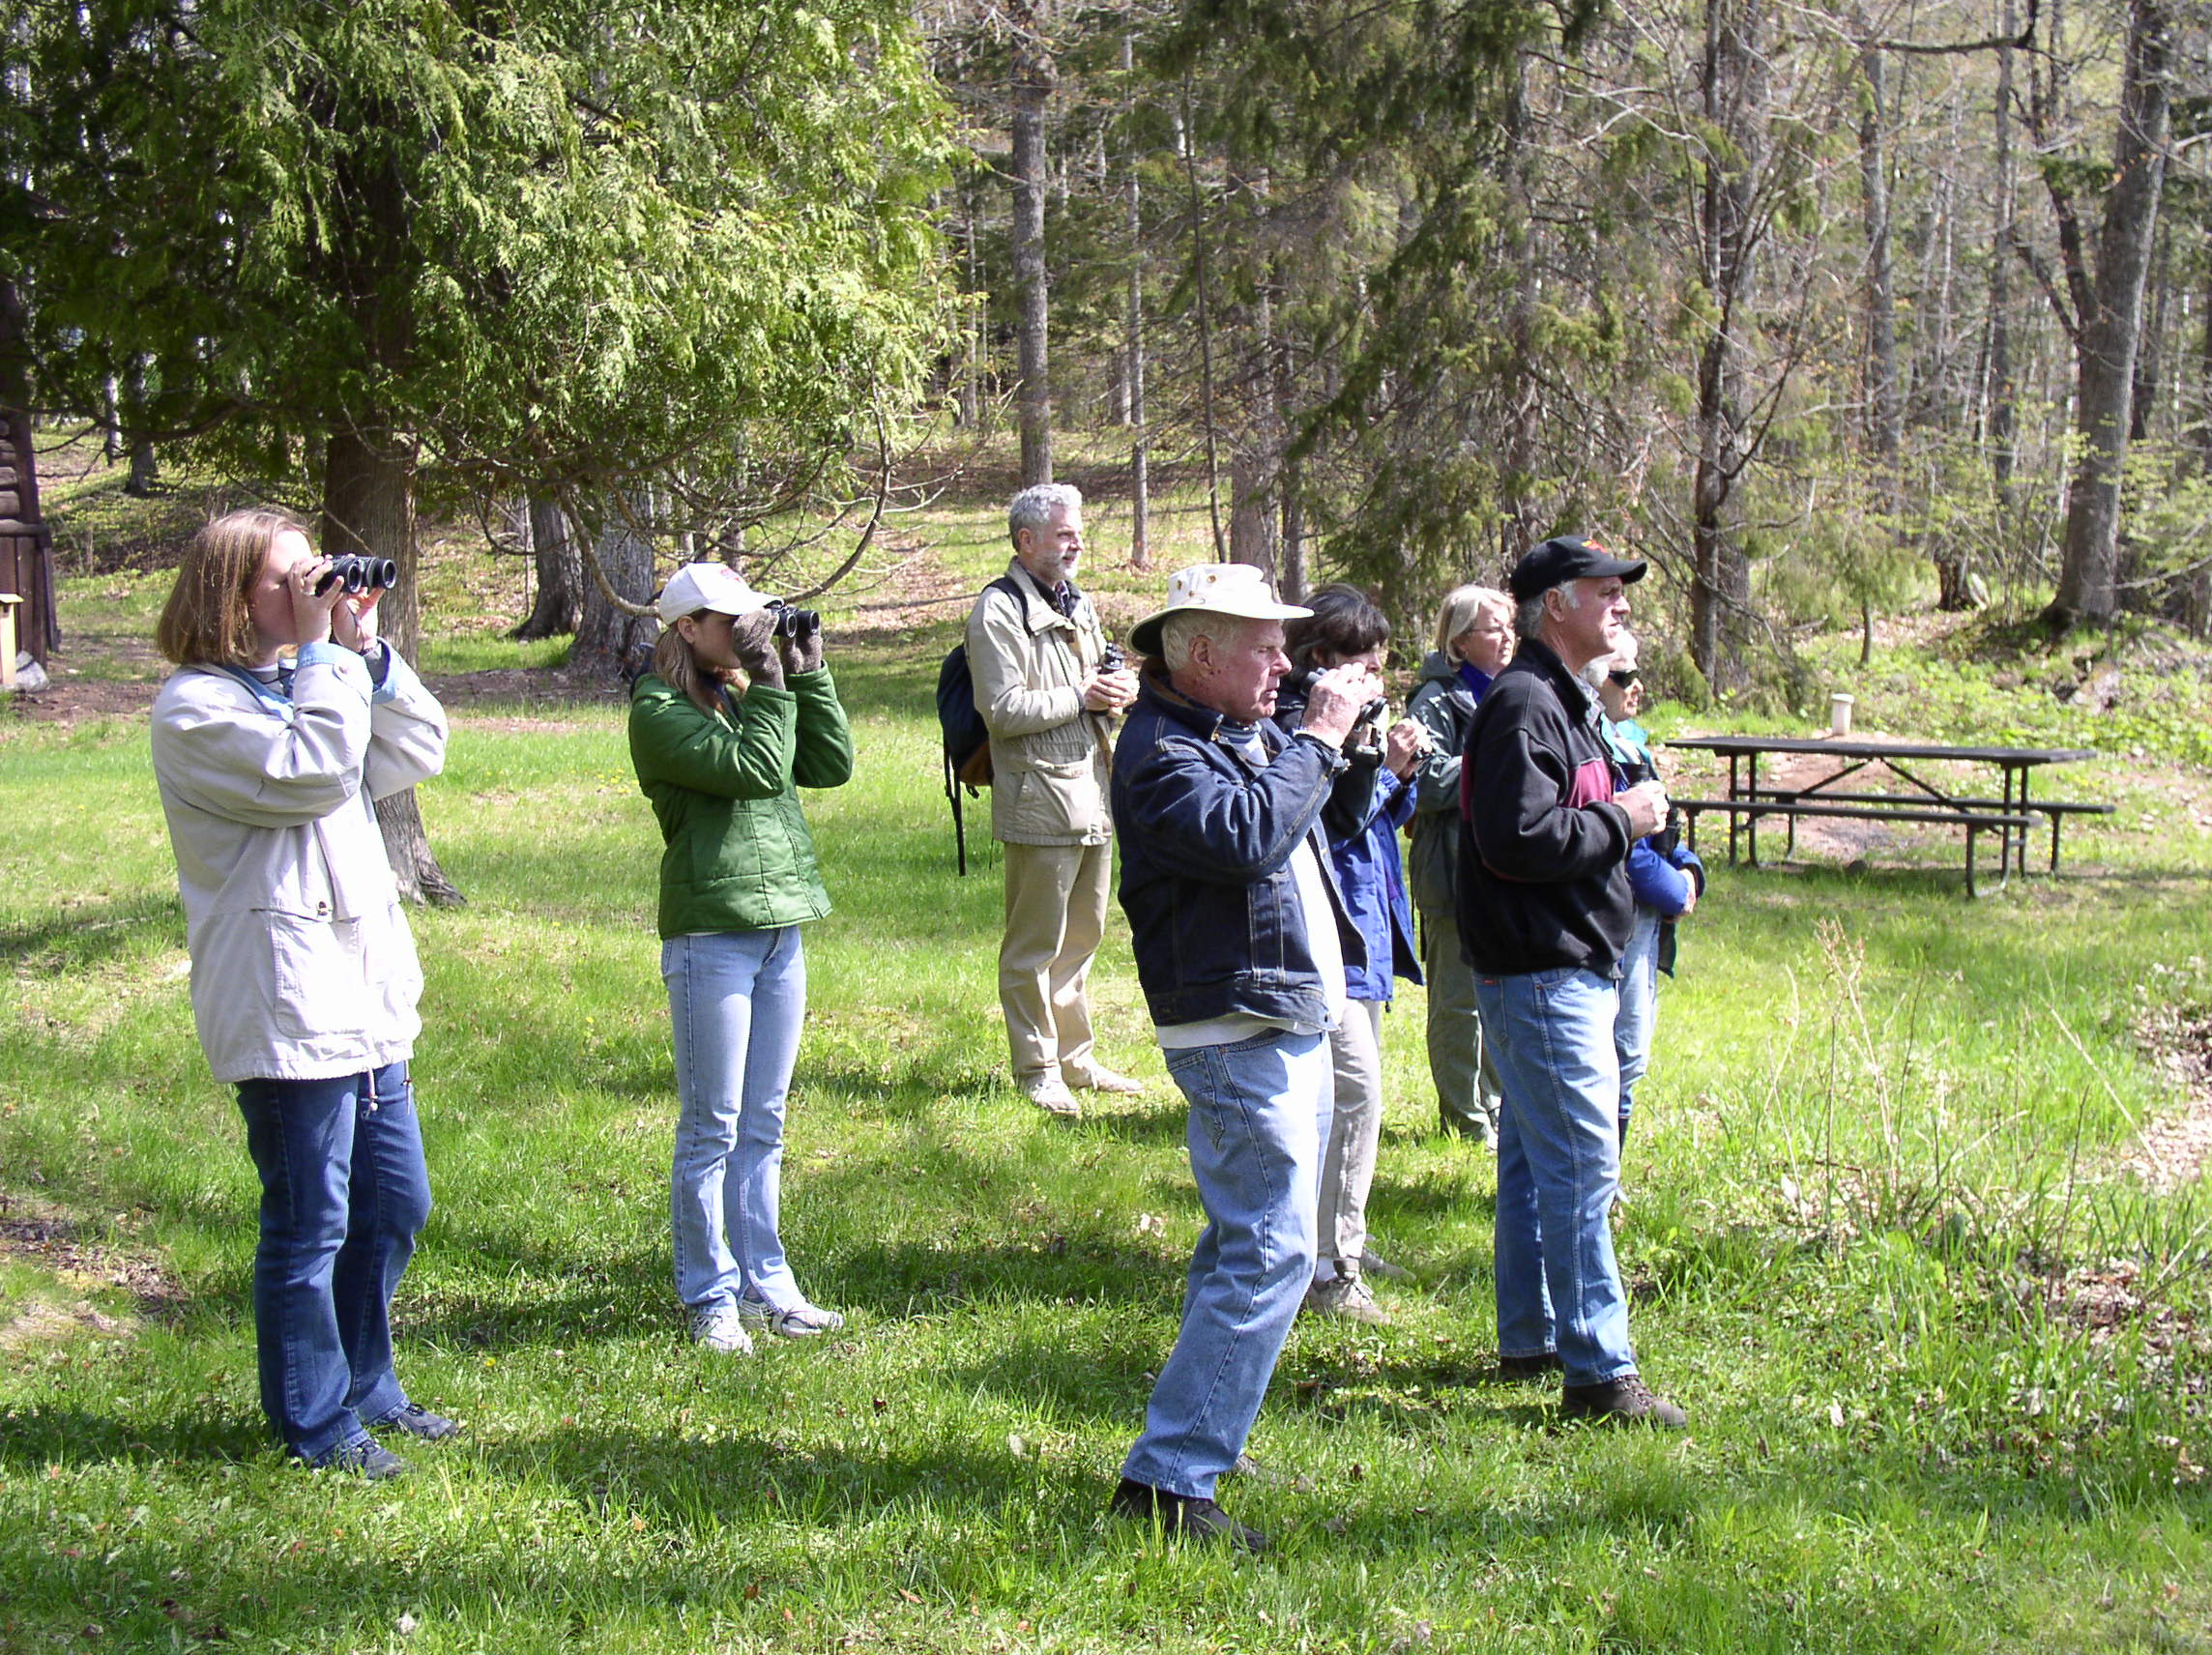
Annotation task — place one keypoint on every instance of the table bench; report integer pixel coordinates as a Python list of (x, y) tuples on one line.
[(1975, 822), (2013, 814)]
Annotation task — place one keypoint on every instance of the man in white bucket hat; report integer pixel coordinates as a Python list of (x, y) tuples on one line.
[(1241, 940)]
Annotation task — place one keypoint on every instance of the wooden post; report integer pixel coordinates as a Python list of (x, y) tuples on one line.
[(7, 603)]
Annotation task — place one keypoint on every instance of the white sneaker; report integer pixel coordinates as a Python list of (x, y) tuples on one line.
[(1345, 1297), (1050, 1094), (721, 1329), (1102, 1079), (802, 1322)]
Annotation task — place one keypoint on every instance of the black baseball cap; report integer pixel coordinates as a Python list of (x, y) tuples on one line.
[(1569, 557)]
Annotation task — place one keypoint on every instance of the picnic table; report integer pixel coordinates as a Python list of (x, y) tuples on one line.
[(2010, 815)]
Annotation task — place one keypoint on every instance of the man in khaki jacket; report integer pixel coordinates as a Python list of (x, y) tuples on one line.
[(1034, 649)]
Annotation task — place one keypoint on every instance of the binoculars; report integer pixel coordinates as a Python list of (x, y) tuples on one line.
[(1111, 658), (358, 574), (796, 624)]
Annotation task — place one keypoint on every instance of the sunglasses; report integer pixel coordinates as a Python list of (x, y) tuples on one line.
[(1621, 679)]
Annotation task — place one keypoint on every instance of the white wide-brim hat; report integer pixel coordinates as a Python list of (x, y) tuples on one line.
[(1213, 589), (708, 586)]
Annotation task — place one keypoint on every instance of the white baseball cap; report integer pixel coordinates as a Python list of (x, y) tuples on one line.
[(708, 586), (1213, 589)]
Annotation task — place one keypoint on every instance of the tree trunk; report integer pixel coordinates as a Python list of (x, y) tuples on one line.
[(559, 570), (1140, 478), (368, 510), (1033, 86), (1734, 105), (608, 638), (27, 544), (1886, 407), (1186, 137), (2111, 330)]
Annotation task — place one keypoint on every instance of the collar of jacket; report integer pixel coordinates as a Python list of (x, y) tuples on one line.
[(1037, 610), (1577, 697), (1155, 692)]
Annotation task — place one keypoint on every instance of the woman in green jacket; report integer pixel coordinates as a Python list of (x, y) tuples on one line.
[(733, 718)]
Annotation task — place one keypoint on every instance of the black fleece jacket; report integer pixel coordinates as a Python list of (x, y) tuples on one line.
[(1543, 866)]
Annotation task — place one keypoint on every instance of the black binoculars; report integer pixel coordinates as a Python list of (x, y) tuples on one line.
[(1112, 659), (358, 574), (797, 624)]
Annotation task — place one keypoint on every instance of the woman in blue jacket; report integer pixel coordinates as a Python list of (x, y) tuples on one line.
[(1664, 877), (1371, 800)]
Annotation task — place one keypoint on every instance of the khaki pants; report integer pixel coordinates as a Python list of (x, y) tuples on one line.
[(1356, 1129), (1460, 1060), (1056, 914)]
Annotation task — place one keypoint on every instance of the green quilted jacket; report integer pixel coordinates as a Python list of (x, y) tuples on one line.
[(738, 856)]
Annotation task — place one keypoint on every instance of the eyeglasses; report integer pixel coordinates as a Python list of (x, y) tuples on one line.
[(1621, 679)]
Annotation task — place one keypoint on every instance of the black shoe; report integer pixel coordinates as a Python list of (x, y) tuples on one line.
[(1514, 1368), (1625, 1400), (419, 1423), (1183, 1518), (363, 1458)]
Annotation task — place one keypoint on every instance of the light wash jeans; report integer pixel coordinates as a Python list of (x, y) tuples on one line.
[(736, 998), (344, 1192), (1259, 1116), (1558, 1166), (1639, 1008)]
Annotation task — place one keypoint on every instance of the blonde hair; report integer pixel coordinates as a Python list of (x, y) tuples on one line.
[(208, 620), (1462, 606), (679, 668)]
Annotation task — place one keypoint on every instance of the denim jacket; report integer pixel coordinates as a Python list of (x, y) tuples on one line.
[(1206, 836)]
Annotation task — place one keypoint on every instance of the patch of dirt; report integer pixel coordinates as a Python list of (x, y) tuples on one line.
[(36, 1233), (2174, 1150)]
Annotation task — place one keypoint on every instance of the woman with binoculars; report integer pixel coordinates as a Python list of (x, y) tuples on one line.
[(303, 979), (738, 714)]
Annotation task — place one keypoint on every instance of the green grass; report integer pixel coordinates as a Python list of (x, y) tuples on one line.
[(1872, 1179)]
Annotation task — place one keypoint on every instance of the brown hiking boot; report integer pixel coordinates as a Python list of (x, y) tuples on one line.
[(1625, 1400)]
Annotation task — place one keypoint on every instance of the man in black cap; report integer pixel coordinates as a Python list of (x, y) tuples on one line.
[(1545, 914)]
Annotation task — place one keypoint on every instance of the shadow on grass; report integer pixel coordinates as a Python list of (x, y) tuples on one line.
[(82, 937)]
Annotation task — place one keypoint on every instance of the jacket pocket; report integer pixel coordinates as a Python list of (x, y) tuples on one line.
[(317, 981), (1056, 796)]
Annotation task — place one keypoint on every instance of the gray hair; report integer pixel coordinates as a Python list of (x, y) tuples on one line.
[(1462, 605), (1033, 507), (1528, 614), (1182, 628)]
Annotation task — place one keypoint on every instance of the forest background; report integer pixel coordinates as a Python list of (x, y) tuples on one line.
[(1885, 331)]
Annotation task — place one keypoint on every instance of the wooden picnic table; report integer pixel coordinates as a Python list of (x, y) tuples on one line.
[(2010, 815)]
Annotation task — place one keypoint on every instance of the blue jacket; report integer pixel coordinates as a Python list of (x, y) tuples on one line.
[(1361, 820), (1206, 836), (1373, 881), (1661, 880)]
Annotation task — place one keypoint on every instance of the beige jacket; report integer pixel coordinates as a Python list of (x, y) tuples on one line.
[(1050, 759), (303, 965)]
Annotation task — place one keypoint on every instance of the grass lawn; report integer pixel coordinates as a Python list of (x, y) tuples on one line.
[(1947, 1355)]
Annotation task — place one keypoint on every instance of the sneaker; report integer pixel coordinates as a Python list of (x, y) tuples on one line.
[(420, 1422), (1104, 1080), (721, 1329), (364, 1457), (1050, 1094), (1381, 1270), (1182, 1518), (1345, 1296), (1517, 1368), (803, 1320), (1625, 1400)]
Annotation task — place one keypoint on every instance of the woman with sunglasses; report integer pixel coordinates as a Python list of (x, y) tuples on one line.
[(1666, 878)]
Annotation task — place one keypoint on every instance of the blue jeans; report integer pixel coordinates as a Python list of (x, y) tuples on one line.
[(1639, 1008), (344, 1192), (1259, 1116), (736, 998), (1558, 1166)]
